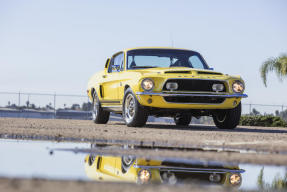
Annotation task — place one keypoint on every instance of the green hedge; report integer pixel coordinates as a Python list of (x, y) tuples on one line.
[(260, 120)]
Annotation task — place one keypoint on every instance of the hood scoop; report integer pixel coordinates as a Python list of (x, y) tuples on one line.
[(198, 72), (208, 73), (177, 72)]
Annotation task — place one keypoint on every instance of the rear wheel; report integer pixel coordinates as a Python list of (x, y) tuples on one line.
[(133, 113), (99, 115), (228, 118), (92, 159), (182, 119), (127, 162)]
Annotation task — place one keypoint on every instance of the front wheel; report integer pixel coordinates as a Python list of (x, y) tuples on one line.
[(127, 162), (228, 118), (133, 113)]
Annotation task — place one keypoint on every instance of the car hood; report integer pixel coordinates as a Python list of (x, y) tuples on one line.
[(177, 70), (182, 72)]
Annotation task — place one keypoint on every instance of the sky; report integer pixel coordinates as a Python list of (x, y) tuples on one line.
[(55, 46)]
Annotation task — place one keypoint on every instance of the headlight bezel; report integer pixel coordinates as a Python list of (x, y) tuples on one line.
[(147, 79), (239, 83)]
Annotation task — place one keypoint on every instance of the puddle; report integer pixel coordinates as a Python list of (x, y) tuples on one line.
[(83, 161), (142, 144)]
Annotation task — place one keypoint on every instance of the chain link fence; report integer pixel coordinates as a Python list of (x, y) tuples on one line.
[(44, 105), (53, 105)]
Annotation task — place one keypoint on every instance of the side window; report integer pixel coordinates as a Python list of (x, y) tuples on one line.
[(116, 63), (196, 62)]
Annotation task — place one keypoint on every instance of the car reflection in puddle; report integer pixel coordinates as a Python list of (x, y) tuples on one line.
[(140, 170), (65, 161)]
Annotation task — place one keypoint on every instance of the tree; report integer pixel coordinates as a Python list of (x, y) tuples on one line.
[(76, 107), (255, 112), (278, 182), (27, 103), (278, 64), (87, 106)]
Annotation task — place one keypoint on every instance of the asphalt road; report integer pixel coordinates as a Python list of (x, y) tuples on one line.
[(263, 145)]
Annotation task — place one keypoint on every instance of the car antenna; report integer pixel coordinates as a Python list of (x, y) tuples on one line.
[(171, 39)]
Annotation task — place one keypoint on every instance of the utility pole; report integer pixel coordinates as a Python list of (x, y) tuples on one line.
[(249, 108), (19, 99)]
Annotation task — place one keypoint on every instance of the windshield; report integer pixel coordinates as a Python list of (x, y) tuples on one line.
[(151, 58)]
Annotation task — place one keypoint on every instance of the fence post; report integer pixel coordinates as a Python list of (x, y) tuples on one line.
[(88, 112), (19, 98), (54, 105)]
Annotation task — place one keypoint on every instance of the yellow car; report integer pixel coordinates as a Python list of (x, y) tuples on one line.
[(164, 82), (140, 170)]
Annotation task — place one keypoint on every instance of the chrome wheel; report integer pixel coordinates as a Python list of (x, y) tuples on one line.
[(95, 111), (221, 117), (133, 113), (99, 116), (129, 108), (127, 160)]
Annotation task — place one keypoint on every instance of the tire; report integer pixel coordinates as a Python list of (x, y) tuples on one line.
[(182, 119), (227, 119), (134, 114), (99, 115), (127, 162)]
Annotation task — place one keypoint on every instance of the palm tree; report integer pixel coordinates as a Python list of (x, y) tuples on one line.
[(278, 64)]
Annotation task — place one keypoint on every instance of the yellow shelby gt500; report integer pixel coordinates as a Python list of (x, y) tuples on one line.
[(140, 170), (164, 82)]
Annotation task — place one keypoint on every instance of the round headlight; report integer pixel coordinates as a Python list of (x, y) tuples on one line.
[(144, 176), (147, 84), (235, 179), (238, 87)]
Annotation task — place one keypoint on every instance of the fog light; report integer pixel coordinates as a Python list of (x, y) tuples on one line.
[(217, 87), (172, 86)]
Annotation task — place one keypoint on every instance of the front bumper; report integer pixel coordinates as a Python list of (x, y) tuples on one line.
[(235, 95), (167, 100)]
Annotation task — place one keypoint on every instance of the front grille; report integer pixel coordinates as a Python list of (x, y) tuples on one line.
[(194, 85), (193, 99)]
